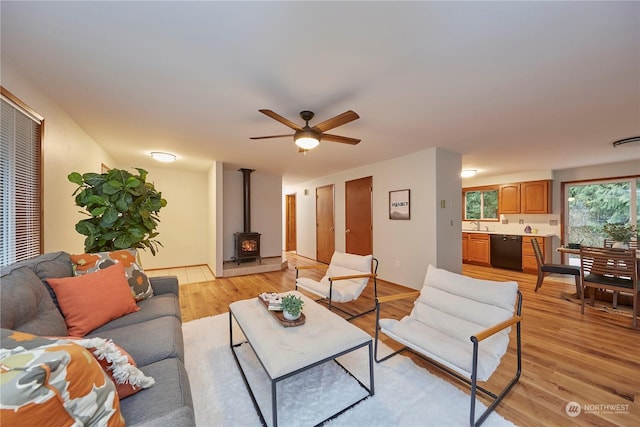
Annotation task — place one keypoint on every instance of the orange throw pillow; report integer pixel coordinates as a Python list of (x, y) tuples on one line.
[(89, 301)]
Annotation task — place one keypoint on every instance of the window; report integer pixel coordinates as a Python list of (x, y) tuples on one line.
[(20, 180), (481, 203), (590, 205)]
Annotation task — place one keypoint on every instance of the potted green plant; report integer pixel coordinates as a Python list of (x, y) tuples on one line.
[(122, 210), (621, 233), (291, 307)]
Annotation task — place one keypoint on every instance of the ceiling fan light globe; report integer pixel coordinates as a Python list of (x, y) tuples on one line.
[(306, 139), (307, 142)]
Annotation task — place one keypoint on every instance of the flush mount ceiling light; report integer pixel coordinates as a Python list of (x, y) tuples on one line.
[(468, 173), (306, 139), (626, 141), (163, 157)]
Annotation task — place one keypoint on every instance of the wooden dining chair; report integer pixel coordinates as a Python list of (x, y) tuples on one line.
[(545, 269), (608, 243), (611, 269)]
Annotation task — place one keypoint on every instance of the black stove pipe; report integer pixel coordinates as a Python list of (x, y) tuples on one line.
[(246, 201)]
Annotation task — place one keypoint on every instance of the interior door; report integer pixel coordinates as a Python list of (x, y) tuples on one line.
[(325, 224), (359, 216), (291, 231)]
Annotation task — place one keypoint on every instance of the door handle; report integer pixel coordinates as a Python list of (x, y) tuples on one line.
[(330, 228), (347, 231)]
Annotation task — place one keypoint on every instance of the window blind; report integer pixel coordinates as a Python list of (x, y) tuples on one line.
[(20, 181)]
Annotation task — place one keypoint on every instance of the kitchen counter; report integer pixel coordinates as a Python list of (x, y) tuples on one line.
[(522, 233)]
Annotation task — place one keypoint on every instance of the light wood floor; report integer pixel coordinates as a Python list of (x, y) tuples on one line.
[(185, 275), (592, 359)]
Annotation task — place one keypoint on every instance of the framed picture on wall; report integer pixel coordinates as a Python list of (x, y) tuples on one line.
[(400, 204)]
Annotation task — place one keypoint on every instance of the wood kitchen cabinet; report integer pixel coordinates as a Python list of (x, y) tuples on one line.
[(478, 249), (535, 197), (465, 247), (529, 263), (509, 198), (532, 197)]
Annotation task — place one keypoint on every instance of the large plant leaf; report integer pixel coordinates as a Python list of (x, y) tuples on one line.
[(97, 200), (110, 217), (85, 227), (143, 174), (76, 178), (98, 211), (132, 182), (123, 242), (93, 179)]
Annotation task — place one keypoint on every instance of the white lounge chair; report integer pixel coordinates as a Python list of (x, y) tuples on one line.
[(460, 325), (345, 279)]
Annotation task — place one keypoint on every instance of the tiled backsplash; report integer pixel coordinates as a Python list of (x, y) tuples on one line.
[(516, 223)]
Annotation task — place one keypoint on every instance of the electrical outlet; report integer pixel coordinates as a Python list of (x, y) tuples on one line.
[(521, 221), (397, 264)]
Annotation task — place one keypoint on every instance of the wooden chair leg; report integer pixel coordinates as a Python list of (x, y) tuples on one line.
[(634, 313), (539, 282), (578, 286)]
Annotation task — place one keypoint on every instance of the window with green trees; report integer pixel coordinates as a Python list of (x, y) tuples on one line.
[(481, 204), (590, 205)]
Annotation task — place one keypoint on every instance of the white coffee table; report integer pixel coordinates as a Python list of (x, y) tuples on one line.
[(287, 351)]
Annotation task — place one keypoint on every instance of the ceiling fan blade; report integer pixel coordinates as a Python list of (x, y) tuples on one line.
[(338, 138), (278, 117), (339, 120), (270, 136)]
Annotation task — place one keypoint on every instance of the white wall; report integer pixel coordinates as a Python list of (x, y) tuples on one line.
[(184, 221), (266, 211), (404, 248), (448, 209), (66, 148), (479, 180), (215, 219)]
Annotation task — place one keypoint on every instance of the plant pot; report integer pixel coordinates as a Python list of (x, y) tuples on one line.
[(620, 245), (290, 316)]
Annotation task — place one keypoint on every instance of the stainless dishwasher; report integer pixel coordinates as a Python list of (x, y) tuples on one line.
[(506, 251)]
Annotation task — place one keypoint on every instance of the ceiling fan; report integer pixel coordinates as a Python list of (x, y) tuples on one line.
[(309, 137)]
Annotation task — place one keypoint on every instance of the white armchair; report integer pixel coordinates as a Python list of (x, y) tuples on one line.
[(346, 278), (461, 325)]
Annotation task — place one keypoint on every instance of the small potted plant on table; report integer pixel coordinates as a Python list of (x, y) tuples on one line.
[(291, 307), (620, 233)]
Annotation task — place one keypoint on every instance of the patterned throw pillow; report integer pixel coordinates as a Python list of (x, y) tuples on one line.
[(117, 363), (138, 281), (53, 382)]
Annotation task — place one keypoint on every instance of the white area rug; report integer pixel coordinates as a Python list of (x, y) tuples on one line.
[(405, 394)]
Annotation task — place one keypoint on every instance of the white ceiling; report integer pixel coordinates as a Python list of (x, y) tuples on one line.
[(513, 86)]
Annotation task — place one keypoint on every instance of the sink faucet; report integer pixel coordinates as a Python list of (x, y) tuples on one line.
[(477, 224)]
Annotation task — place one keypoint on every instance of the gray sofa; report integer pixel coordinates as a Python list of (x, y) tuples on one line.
[(152, 335)]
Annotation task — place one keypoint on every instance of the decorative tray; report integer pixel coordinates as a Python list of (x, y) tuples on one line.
[(278, 315)]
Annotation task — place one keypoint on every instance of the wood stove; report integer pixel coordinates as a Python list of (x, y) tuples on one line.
[(246, 243)]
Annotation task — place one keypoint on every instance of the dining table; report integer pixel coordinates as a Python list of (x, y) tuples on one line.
[(576, 251)]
